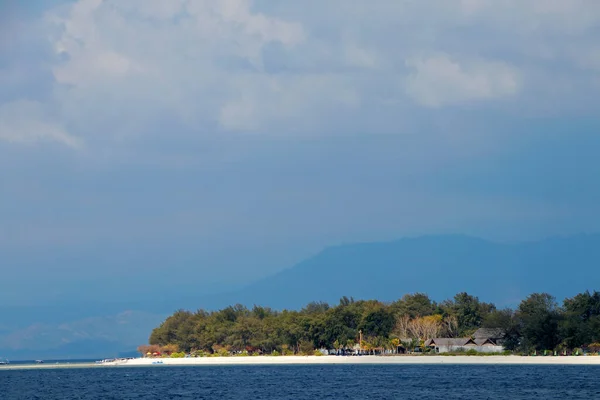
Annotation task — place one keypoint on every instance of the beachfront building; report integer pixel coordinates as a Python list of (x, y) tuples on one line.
[(492, 339), (496, 335), (481, 343), (448, 345), (488, 346)]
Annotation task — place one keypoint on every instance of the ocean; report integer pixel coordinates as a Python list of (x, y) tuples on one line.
[(305, 382)]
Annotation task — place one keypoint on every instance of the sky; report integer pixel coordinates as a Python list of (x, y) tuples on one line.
[(206, 144)]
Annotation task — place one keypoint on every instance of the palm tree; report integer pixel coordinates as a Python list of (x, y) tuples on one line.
[(350, 343), (394, 343)]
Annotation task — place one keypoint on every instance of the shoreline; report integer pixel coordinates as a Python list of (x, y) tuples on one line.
[(323, 360)]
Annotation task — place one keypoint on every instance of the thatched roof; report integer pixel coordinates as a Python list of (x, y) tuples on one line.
[(450, 342), (481, 342), (489, 333)]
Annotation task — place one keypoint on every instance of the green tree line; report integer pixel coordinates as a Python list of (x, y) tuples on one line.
[(538, 323)]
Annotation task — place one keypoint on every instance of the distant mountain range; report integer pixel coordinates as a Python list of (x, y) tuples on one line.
[(438, 265), (93, 337)]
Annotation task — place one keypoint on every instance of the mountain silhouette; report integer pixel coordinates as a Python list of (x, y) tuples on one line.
[(440, 266)]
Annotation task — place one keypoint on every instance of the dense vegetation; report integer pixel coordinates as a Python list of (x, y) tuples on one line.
[(537, 324)]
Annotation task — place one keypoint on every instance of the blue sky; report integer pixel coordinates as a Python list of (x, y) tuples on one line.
[(217, 142)]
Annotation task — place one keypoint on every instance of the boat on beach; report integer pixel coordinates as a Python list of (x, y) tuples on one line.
[(114, 361), (106, 361)]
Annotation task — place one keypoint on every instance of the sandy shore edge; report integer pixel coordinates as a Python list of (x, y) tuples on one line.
[(324, 360)]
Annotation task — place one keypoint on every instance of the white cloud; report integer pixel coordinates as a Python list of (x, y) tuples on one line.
[(203, 66), (104, 39), (437, 81)]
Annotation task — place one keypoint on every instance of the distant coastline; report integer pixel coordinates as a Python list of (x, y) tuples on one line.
[(414, 324)]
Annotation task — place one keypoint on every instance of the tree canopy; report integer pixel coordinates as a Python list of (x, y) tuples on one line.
[(538, 323)]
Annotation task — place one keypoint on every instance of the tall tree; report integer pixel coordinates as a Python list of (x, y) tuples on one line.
[(581, 321), (415, 305), (469, 312), (539, 317)]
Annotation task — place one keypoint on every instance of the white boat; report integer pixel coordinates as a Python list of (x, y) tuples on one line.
[(106, 361), (4, 361)]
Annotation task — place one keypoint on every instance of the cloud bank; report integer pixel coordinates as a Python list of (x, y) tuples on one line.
[(118, 69)]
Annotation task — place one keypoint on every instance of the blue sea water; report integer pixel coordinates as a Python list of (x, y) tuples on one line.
[(312, 382)]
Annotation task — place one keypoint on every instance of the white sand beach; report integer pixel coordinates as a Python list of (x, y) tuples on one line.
[(269, 360), (324, 360)]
